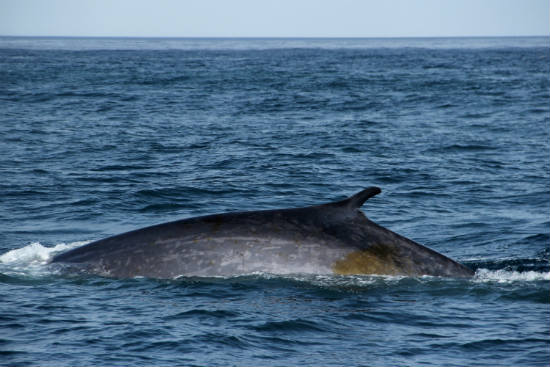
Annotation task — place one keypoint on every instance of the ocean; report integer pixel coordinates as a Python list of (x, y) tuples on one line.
[(104, 135)]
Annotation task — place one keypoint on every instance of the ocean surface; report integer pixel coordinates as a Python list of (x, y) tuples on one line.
[(102, 136)]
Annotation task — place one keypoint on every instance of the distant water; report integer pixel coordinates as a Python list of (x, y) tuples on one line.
[(101, 136)]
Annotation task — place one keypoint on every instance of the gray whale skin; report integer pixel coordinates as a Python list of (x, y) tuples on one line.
[(333, 238)]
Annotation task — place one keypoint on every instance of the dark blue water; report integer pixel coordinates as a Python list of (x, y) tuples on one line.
[(100, 136)]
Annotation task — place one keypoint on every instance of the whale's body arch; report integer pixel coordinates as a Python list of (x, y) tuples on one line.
[(330, 238)]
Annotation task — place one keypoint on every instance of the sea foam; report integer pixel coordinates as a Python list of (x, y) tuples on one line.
[(31, 259), (506, 276)]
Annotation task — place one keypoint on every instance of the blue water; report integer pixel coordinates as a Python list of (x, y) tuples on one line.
[(101, 136)]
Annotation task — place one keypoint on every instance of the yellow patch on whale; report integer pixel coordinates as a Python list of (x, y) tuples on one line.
[(371, 261)]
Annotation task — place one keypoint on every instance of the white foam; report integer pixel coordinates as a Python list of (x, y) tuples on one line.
[(481, 276), (505, 276), (331, 280), (31, 259)]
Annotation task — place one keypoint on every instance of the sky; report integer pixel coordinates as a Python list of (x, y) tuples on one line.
[(274, 18)]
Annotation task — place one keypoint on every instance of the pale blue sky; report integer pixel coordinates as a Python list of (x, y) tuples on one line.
[(276, 18)]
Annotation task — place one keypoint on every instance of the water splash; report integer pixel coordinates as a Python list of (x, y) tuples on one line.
[(507, 276), (33, 258)]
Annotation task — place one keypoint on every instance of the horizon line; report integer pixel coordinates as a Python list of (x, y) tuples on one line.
[(274, 37)]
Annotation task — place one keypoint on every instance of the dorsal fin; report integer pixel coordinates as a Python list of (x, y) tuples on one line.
[(355, 201)]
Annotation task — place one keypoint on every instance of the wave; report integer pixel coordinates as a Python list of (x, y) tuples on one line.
[(507, 276), (31, 260), (360, 281)]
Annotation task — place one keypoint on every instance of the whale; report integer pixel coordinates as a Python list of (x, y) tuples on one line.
[(332, 238)]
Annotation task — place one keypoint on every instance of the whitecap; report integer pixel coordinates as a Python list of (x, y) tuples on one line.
[(33, 258), (506, 276)]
